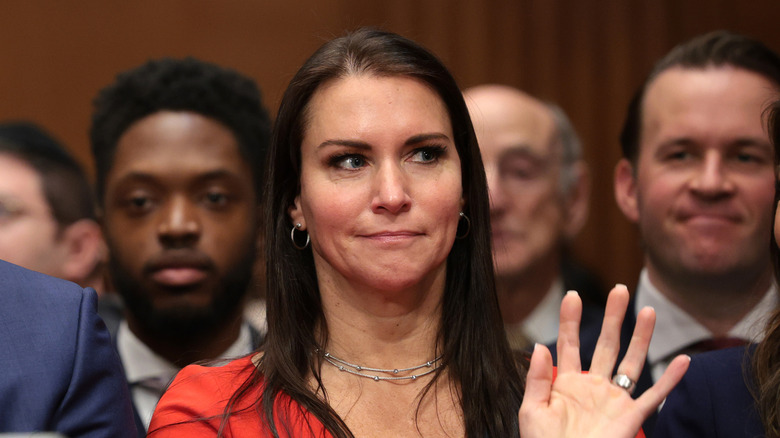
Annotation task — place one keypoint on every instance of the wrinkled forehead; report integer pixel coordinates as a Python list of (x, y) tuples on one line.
[(506, 121)]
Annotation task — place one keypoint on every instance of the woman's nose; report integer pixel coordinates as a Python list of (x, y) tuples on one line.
[(391, 192)]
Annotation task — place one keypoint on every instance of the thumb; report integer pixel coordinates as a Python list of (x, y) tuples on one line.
[(538, 384)]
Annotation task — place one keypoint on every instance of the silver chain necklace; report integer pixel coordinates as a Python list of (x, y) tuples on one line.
[(357, 370)]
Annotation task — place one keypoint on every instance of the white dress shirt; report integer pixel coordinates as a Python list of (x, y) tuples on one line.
[(675, 329), (142, 364), (541, 325)]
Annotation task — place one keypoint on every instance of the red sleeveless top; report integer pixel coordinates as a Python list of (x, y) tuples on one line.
[(194, 403)]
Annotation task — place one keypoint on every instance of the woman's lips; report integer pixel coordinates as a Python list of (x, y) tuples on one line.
[(393, 236)]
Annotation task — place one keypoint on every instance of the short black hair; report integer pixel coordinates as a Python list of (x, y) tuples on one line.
[(186, 84), (65, 185), (714, 49)]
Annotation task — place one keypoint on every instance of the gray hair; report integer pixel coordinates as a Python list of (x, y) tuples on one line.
[(570, 146)]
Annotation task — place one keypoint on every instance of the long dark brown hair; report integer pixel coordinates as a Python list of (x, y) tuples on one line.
[(474, 348), (766, 358)]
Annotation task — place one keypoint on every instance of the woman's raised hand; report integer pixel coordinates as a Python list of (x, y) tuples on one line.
[(590, 405)]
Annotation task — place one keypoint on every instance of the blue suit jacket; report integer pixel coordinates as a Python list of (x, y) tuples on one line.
[(712, 400), (590, 329), (58, 370)]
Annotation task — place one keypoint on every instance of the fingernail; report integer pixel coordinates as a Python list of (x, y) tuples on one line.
[(621, 285), (572, 292)]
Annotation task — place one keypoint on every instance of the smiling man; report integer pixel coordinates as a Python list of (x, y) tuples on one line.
[(698, 179), (179, 146)]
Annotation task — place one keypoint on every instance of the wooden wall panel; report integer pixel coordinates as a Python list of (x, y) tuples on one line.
[(586, 55)]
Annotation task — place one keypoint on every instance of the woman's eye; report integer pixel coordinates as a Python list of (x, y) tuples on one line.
[(428, 154), (348, 161)]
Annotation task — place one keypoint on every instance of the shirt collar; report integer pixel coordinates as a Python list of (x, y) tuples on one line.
[(675, 329), (141, 363), (542, 324)]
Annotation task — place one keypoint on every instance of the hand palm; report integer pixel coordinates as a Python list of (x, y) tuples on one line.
[(585, 402), (589, 405)]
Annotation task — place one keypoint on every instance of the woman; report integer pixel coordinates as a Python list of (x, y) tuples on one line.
[(382, 314), (733, 392)]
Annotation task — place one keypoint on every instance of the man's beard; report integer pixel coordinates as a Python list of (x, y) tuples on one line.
[(185, 324)]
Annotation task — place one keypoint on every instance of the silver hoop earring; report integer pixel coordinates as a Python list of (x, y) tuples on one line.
[(468, 226), (292, 237)]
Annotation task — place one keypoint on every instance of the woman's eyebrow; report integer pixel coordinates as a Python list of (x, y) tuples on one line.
[(426, 137), (415, 139), (339, 142)]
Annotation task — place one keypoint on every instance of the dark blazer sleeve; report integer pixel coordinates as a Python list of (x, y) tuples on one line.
[(58, 369), (97, 400), (712, 400), (687, 411)]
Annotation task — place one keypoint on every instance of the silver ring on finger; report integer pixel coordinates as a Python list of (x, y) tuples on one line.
[(625, 382)]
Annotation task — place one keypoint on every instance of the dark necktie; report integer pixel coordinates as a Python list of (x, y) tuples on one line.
[(715, 344), (157, 384)]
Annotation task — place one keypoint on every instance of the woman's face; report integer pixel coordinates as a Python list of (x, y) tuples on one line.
[(380, 183)]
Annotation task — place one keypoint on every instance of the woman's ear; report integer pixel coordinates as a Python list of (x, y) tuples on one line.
[(296, 213)]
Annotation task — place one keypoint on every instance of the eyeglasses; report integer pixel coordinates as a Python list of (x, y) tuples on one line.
[(12, 209)]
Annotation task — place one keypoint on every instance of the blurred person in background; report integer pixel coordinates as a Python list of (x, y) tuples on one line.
[(698, 178), (47, 209), (179, 146), (539, 190), (733, 392), (60, 373)]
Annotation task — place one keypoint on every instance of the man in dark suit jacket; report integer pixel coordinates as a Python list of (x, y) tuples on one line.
[(698, 178), (59, 370), (179, 146)]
